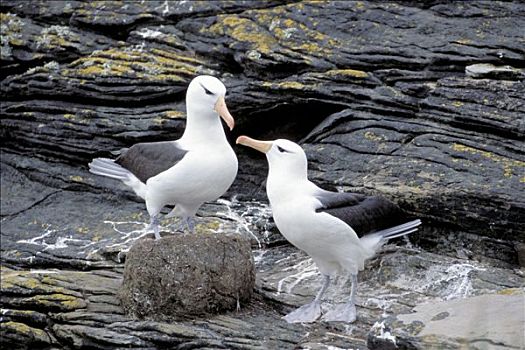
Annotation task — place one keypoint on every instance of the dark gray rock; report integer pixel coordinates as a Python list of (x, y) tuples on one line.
[(386, 97), (185, 276), (27, 43)]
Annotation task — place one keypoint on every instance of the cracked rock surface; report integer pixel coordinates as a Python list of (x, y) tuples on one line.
[(421, 102)]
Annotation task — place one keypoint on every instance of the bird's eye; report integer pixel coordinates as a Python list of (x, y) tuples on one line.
[(282, 150), (208, 92)]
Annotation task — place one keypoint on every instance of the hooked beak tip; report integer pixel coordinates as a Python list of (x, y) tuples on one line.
[(220, 107), (261, 146)]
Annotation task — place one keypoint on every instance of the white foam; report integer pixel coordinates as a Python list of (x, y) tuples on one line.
[(245, 215), (149, 33), (380, 326), (449, 282), (305, 269)]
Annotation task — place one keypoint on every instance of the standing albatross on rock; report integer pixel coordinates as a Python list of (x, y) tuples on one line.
[(338, 230), (198, 167)]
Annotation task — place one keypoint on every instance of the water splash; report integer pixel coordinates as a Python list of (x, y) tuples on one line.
[(384, 304), (305, 269), (461, 286), (448, 282), (258, 255), (126, 238), (245, 218), (35, 240), (251, 218), (380, 327), (60, 242)]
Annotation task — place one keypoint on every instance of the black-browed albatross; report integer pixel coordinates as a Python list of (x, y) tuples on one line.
[(198, 167), (338, 230)]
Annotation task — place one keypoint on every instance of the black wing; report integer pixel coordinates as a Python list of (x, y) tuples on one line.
[(364, 214), (148, 159)]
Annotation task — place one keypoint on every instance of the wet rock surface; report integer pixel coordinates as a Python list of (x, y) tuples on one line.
[(484, 322), (420, 102), (184, 276)]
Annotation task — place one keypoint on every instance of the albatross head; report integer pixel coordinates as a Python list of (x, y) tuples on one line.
[(205, 96), (285, 158)]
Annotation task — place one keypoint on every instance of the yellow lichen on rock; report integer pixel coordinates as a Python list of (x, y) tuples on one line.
[(26, 331), (208, 227), (153, 65), (76, 178), (292, 34), (175, 114), (511, 291), (348, 73), (288, 85), (244, 30), (45, 293), (272, 32), (11, 33), (369, 135), (60, 301), (57, 36), (509, 165)]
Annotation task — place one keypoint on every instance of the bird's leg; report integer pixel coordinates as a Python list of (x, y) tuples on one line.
[(190, 222), (309, 312), (154, 225), (177, 226), (345, 312)]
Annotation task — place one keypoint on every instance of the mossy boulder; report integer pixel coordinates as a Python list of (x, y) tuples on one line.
[(185, 276)]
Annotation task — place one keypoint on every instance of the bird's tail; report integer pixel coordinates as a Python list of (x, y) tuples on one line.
[(108, 167), (375, 240), (398, 231)]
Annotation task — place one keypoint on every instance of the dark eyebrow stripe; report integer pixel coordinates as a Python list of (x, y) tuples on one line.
[(282, 149), (208, 92)]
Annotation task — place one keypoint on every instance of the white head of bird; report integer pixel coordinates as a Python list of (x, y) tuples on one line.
[(287, 163), (205, 99)]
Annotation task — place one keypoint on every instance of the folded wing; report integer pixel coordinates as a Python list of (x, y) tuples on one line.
[(149, 159), (364, 214)]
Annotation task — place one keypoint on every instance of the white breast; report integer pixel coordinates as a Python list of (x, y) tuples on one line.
[(332, 244), (202, 175)]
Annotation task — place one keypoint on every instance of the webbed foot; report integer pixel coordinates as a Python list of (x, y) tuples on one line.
[(305, 314), (341, 313)]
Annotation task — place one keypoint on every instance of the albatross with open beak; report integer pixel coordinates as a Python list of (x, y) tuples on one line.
[(198, 167), (338, 230)]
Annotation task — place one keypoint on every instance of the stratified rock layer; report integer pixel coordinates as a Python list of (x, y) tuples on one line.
[(185, 276), (422, 102)]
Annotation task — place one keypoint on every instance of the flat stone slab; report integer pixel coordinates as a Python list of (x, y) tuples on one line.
[(491, 321)]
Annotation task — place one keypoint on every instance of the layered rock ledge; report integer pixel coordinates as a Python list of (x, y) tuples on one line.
[(422, 102)]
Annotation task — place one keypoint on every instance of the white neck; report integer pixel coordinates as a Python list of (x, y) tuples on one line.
[(202, 125), (280, 189)]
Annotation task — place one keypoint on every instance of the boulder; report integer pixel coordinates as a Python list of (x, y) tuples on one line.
[(188, 275)]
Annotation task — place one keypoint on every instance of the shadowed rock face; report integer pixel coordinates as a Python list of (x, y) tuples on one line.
[(187, 275), (419, 102)]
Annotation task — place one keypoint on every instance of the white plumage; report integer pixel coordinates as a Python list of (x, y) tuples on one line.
[(320, 222), (198, 167)]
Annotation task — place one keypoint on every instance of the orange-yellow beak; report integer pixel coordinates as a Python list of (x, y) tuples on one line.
[(220, 107), (261, 146)]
